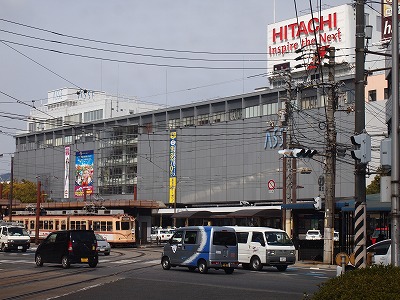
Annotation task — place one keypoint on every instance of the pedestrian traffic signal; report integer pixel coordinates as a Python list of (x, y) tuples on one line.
[(362, 143), (317, 203)]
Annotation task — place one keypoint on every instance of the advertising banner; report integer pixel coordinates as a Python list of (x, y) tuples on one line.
[(66, 171), (172, 167), (387, 19), (84, 161)]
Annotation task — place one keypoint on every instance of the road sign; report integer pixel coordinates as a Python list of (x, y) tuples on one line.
[(271, 186)]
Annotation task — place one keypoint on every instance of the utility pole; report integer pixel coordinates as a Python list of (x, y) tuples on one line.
[(288, 171), (11, 189), (330, 165), (38, 198), (360, 168), (395, 230)]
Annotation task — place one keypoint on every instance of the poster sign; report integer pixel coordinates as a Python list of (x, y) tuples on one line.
[(84, 161), (172, 167), (67, 157)]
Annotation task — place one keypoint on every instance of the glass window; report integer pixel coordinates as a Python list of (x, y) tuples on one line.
[(257, 237), (380, 249), (278, 238), (190, 237), (224, 238), (177, 237), (242, 237), (125, 225)]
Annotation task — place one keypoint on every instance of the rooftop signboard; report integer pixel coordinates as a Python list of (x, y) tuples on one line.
[(292, 38)]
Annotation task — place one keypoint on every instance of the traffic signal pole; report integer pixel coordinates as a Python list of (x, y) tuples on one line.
[(395, 230), (360, 168)]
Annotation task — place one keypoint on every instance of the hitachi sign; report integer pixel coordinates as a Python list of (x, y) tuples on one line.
[(295, 30)]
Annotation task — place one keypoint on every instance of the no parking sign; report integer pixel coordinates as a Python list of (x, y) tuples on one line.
[(271, 186)]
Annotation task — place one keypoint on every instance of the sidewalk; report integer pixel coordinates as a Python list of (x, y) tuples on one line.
[(315, 265)]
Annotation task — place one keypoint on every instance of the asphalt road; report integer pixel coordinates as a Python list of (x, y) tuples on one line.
[(136, 273)]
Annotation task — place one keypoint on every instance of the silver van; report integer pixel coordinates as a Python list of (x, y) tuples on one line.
[(264, 246), (202, 247)]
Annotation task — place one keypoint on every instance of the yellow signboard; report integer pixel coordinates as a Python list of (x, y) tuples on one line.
[(172, 190)]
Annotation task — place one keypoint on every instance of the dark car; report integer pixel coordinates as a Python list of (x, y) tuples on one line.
[(68, 247)]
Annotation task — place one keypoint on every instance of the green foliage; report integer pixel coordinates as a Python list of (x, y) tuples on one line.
[(376, 282), (25, 191), (375, 186)]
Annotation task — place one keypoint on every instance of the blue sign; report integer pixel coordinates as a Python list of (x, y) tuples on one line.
[(274, 138)]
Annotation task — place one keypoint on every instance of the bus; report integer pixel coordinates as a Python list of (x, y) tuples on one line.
[(117, 229)]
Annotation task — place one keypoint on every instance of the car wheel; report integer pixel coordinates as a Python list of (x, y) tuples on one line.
[(23, 249), (202, 265), (229, 270), (255, 264), (106, 253), (3, 247), (281, 268), (65, 262), (93, 263), (165, 263), (39, 260)]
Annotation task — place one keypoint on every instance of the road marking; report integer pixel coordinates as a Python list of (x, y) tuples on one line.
[(124, 261)]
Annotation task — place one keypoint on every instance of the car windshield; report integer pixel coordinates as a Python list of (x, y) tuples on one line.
[(17, 231), (278, 239)]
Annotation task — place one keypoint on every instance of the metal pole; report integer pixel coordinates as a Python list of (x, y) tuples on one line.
[(360, 188), (39, 187), (11, 189), (395, 137), (330, 170)]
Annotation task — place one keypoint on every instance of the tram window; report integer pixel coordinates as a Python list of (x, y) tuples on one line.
[(40, 224), (78, 225), (118, 225), (125, 226), (109, 226), (32, 225), (96, 225)]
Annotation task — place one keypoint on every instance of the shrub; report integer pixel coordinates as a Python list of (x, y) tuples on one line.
[(376, 282)]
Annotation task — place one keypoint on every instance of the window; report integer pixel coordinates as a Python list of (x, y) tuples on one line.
[(257, 237), (190, 237), (372, 95), (78, 224), (242, 237), (224, 238), (253, 111), (93, 115), (177, 237), (270, 109)]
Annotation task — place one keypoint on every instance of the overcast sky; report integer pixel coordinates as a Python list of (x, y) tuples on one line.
[(150, 27)]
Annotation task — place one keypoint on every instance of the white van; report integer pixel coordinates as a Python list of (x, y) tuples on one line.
[(264, 246), (13, 237)]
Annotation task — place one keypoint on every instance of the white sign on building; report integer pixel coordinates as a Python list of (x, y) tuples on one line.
[(334, 27)]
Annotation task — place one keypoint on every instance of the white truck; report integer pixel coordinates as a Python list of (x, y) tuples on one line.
[(13, 236)]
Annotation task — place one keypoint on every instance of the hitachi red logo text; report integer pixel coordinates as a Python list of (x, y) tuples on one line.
[(295, 30)]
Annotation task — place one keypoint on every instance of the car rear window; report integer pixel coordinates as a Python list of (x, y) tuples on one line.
[(83, 236), (224, 238)]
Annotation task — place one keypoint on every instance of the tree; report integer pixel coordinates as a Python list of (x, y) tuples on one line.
[(25, 191), (375, 186)]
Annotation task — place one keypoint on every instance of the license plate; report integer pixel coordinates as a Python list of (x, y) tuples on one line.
[(19, 247), (84, 260), (282, 259), (225, 265)]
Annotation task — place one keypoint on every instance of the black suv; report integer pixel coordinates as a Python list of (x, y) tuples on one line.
[(68, 247)]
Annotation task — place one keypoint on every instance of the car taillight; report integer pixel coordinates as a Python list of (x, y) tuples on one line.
[(70, 246)]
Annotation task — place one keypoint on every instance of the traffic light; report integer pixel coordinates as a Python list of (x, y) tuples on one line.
[(362, 143), (304, 153), (317, 203), (298, 153)]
